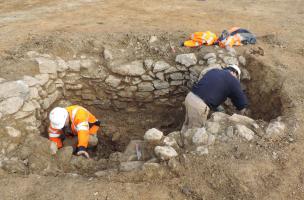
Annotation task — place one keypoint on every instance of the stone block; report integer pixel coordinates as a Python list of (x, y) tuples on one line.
[(74, 65), (200, 137), (160, 66), (186, 59), (245, 132), (153, 135), (134, 68), (46, 65), (145, 87), (165, 152), (159, 84), (113, 81)]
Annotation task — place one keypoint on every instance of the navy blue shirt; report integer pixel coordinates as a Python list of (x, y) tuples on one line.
[(216, 85)]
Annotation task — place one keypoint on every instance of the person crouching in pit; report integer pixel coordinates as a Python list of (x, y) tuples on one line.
[(74, 122), (210, 92)]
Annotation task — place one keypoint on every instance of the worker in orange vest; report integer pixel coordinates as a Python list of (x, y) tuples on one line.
[(201, 38), (74, 121)]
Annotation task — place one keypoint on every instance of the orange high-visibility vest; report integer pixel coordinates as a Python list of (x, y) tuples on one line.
[(201, 38), (231, 40), (80, 120)]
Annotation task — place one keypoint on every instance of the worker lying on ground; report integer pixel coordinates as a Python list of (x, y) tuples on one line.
[(74, 121), (210, 92), (201, 38)]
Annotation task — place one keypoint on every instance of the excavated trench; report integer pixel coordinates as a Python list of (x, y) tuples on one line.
[(127, 117), (133, 89)]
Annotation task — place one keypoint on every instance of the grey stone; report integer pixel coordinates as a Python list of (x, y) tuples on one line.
[(171, 70), (160, 66), (211, 139), (160, 76), (73, 87), (86, 64), (146, 78), (136, 81), (200, 136), (181, 68), (42, 78), (12, 132), (245, 75), (176, 135), (113, 81), (11, 105), (201, 62), (244, 132), (134, 68), (107, 54), (231, 51), (161, 92), (151, 166), (14, 166), (47, 102), (241, 119), (159, 84), (219, 116), (143, 96), (209, 56), (148, 64), (130, 166), (176, 83), (201, 150), (64, 155), (242, 60), (61, 65), (30, 106), (74, 65), (230, 60), (127, 94), (213, 127), (46, 66), (211, 61), (230, 131), (186, 59), (30, 81), (177, 76), (153, 39), (170, 141), (13, 89), (275, 129), (145, 87), (153, 135), (165, 152)]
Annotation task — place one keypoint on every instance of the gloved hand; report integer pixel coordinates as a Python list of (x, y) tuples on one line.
[(81, 151)]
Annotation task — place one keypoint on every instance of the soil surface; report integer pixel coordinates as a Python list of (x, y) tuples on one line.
[(229, 171)]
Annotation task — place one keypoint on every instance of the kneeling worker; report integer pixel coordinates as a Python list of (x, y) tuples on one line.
[(210, 92), (74, 121)]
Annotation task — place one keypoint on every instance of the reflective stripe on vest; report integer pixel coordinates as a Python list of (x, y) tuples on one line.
[(83, 126), (54, 135)]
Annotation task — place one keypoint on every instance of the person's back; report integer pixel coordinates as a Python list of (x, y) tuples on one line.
[(216, 85)]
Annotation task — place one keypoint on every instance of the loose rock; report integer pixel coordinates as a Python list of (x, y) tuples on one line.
[(153, 135), (186, 59), (165, 152)]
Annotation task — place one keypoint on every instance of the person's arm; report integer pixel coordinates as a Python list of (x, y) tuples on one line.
[(238, 97), (55, 136)]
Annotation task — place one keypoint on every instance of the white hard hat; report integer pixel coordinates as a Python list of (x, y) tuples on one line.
[(58, 117), (236, 68)]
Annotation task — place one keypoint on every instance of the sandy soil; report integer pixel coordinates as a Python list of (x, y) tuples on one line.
[(212, 178)]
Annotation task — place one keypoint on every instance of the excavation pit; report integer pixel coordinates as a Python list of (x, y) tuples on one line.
[(129, 89)]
